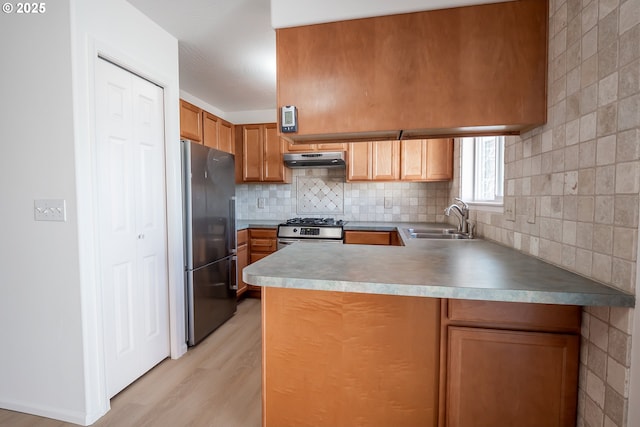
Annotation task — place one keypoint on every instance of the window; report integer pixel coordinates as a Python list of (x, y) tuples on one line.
[(482, 169)]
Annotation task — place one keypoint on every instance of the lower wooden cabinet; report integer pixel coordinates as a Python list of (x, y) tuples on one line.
[(262, 242), (242, 254), (511, 378), (508, 364), (372, 238), (347, 359)]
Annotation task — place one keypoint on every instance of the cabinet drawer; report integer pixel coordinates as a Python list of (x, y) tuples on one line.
[(263, 245), (367, 237), (266, 233), (526, 316), (243, 237)]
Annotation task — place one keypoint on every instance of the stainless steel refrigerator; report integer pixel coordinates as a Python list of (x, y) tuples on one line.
[(210, 238)]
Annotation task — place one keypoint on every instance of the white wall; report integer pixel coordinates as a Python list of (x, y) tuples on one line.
[(50, 324), (41, 367)]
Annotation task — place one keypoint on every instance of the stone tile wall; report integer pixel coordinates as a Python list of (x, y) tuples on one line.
[(575, 183), (408, 202)]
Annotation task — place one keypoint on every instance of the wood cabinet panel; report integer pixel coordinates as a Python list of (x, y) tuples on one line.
[(413, 160), (439, 159), (190, 121), (210, 130), (358, 161), (373, 161), (367, 79), (262, 243), (348, 359), (293, 148), (252, 153), (511, 378), (273, 146), (225, 137), (367, 237), (385, 160), (261, 153), (522, 316), (242, 254)]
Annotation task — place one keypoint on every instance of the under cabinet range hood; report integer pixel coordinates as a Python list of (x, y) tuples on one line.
[(329, 159)]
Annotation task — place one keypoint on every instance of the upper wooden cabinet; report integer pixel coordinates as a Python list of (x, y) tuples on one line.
[(217, 133), (261, 154), (460, 71), (190, 121), (439, 159), (374, 161), (410, 160)]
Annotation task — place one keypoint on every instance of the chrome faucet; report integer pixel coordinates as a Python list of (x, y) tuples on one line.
[(462, 212)]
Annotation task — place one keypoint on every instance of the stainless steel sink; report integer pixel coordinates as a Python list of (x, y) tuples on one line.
[(437, 233)]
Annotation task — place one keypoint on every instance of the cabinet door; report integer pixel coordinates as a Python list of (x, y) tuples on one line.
[(252, 153), (439, 159), (510, 378), (385, 161), (273, 146), (243, 261), (210, 130), (190, 121), (225, 137), (413, 160), (305, 148), (331, 147), (359, 163)]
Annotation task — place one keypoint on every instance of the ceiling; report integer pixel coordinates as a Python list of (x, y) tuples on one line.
[(227, 47)]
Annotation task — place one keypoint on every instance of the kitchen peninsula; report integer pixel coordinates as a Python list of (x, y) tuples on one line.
[(402, 335)]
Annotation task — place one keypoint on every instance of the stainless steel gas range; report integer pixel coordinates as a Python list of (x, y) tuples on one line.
[(311, 230)]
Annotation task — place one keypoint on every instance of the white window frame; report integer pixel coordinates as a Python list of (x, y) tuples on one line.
[(471, 171)]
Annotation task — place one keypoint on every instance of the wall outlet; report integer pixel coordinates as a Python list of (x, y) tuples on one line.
[(261, 202), (388, 203), (510, 209), (49, 210)]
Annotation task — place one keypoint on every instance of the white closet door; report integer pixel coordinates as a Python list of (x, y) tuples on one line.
[(132, 234)]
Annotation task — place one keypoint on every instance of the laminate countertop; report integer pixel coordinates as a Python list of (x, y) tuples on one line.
[(474, 269)]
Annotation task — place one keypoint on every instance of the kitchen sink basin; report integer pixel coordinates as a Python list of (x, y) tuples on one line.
[(437, 233)]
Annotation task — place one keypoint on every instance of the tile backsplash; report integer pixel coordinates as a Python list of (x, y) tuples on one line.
[(325, 192)]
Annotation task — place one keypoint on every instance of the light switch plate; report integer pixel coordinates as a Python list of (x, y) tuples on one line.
[(49, 210), (388, 203), (261, 201)]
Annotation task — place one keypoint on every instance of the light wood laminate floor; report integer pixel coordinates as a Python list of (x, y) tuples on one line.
[(217, 383)]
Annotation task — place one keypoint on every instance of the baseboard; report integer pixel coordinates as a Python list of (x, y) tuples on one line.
[(74, 417)]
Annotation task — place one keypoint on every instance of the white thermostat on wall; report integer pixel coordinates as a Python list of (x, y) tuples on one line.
[(289, 119)]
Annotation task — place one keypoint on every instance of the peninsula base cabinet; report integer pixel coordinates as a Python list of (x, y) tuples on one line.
[(509, 364), (342, 359), (346, 359)]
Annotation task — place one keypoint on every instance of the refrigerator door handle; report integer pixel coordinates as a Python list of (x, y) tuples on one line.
[(232, 219), (233, 274)]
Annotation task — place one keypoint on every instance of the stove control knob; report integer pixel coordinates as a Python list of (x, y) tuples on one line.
[(295, 230)]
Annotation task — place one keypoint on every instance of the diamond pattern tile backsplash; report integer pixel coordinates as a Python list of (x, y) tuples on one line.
[(317, 195), (324, 193)]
